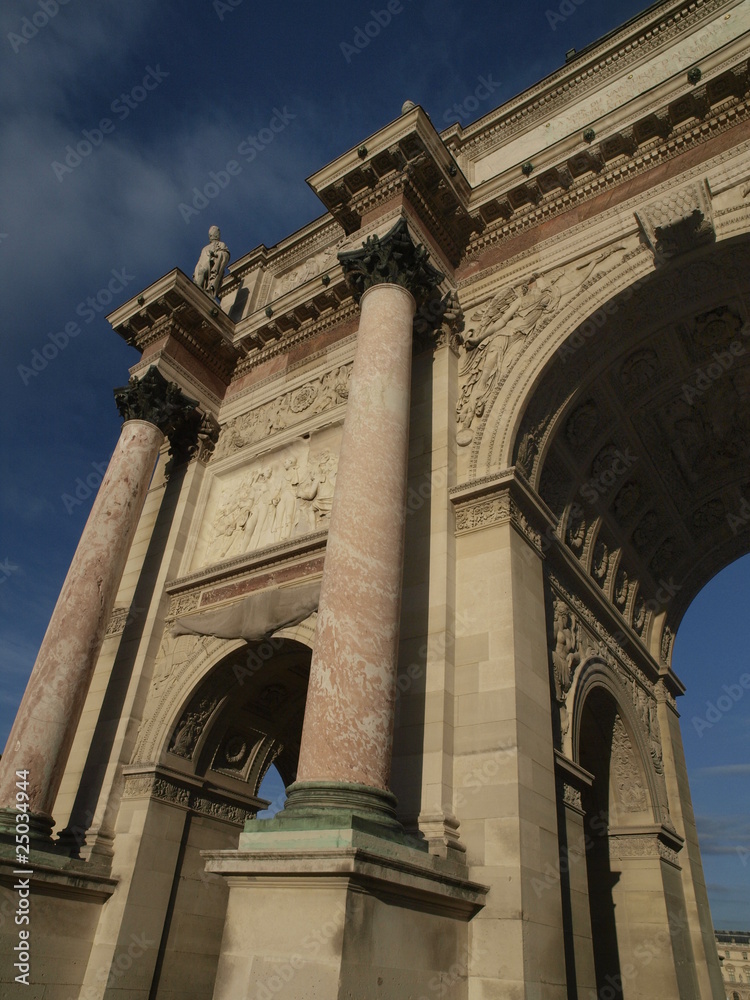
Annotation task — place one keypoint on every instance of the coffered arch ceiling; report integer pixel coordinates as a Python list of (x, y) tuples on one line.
[(244, 715), (637, 437)]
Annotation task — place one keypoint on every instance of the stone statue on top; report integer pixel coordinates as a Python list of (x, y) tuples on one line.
[(209, 271)]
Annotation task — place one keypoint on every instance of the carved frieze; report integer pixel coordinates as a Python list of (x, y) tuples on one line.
[(631, 795), (117, 620), (498, 508), (284, 495), (313, 397), (626, 846), (499, 329), (572, 796), (181, 604), (157, 785)]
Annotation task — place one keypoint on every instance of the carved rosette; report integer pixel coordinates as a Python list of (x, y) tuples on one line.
[(393, 259)]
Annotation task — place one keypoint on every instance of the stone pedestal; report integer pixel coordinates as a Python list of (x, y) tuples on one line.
[(339, 914)]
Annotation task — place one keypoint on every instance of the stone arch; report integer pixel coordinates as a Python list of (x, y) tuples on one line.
[(594, 676), (631, 444), (631, 848), (635, 439), (243, 714), (606, 306), (194, 658)]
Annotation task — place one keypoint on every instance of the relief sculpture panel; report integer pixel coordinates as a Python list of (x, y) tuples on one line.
[(281, 495)]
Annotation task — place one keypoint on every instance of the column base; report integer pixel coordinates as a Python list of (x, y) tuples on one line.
[(320, 806), (39, 829), (333, 804)]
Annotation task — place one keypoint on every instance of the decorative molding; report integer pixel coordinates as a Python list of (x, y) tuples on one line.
[(117, 621), (572, 797), (569, 84), (483, 510), (630, 792), (317, 395), (181, 792), (679, 221), (626, 846)]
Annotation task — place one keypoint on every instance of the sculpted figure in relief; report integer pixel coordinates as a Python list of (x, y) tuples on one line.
[(273, 504), (209, 271), (497, 333), (566, 655)]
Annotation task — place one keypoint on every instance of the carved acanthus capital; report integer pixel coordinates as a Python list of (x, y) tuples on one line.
[(195, 437), (393, 259), (439, 323), (156, 400)]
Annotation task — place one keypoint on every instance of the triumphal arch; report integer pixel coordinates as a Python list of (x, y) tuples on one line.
[(436, 479)]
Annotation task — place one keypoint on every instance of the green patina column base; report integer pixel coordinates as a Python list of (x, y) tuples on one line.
[(36, 826), (327, 806)]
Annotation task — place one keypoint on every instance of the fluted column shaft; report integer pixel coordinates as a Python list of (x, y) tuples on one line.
[(347, 734)]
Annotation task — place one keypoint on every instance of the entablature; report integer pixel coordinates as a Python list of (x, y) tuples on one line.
[(174, 307)]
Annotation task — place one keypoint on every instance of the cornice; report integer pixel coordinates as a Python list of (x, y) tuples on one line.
[(566, 178), (633, 43), (174, 306), (406, 158)]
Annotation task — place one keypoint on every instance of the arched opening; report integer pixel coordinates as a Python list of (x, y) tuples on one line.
[(618, 825), (240, 724), (635, 440)]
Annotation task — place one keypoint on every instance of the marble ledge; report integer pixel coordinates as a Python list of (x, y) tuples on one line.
[(383, 867), (271, 554)]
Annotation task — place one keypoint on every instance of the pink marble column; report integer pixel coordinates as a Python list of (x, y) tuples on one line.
[(43, 731), (347, 732)]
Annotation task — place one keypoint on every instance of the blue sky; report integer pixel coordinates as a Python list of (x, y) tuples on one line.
[(158, 97)]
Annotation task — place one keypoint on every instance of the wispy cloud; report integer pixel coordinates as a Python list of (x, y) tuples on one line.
[(723, 834), (725, 770)]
